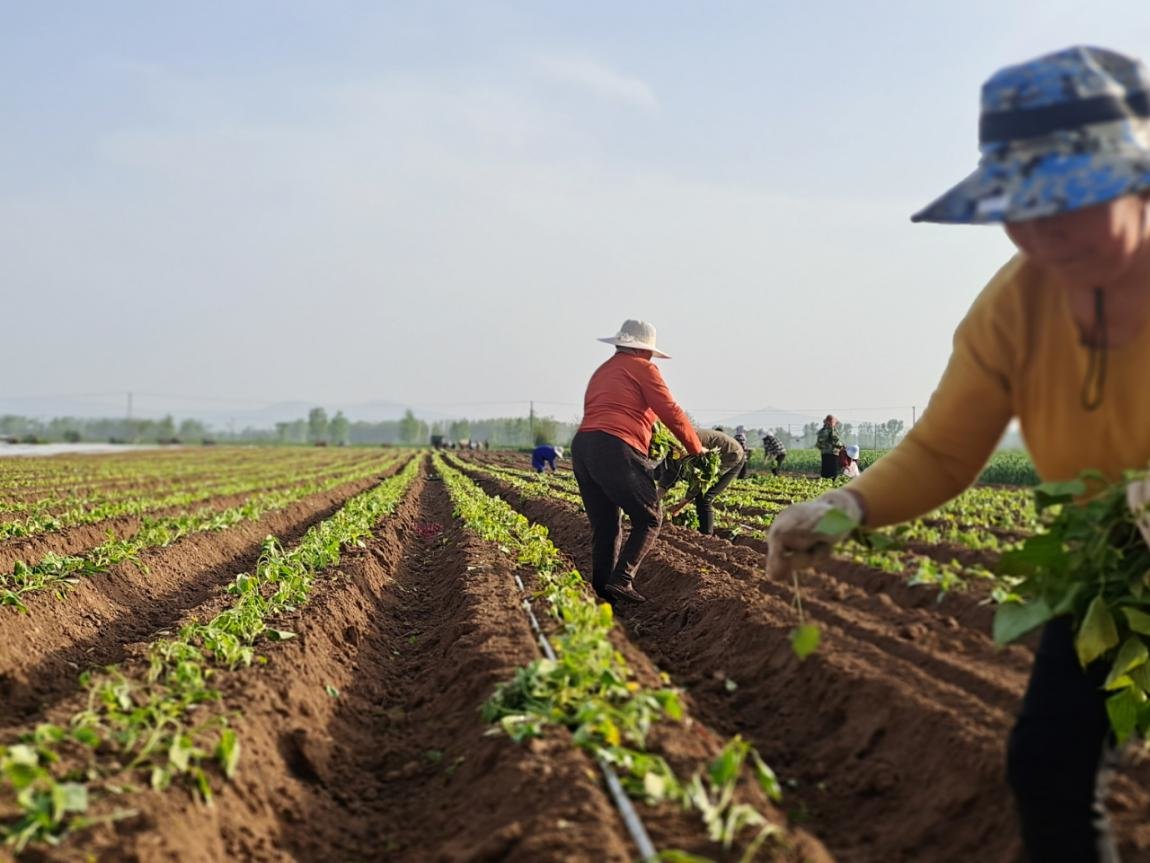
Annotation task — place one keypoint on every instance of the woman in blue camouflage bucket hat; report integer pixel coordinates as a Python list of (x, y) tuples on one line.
[(1060, 340)]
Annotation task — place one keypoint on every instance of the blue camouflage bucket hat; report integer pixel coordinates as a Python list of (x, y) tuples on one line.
[(1057, 133)]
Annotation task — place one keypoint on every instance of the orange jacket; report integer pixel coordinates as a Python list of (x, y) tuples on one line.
[(626, 395)]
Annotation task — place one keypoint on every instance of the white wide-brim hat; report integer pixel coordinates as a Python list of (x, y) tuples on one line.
[(559, 451), (639, 335), (853, 451)]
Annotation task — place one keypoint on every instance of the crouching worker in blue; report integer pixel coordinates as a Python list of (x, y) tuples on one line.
[(545, 454)]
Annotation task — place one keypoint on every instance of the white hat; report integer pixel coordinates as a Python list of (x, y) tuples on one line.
[(853, 451), (559, 451), (636, 334)]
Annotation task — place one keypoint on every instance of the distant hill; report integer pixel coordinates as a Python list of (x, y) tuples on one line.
[(765, 418)]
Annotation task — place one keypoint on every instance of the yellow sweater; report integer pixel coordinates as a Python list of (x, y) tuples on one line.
[(1016, 354)]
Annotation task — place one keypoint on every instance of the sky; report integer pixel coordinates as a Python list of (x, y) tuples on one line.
[(445, 204)]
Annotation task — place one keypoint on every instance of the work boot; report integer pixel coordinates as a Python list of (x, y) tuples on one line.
[(623, 590)]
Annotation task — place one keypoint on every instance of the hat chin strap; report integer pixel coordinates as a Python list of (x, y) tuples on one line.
[(1095, 380)]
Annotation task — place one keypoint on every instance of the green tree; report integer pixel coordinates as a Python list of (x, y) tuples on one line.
[(893, 431), (546, 430), (459, 430), (193, 431), (317, 425), (412, 430), (340, 429)]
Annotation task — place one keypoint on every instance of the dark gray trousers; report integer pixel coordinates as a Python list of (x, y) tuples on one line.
[(1056, 755), (615, 478), (704, 503)]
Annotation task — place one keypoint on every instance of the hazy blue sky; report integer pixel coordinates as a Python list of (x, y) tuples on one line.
[(445, 203)]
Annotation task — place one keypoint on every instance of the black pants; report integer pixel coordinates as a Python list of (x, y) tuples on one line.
[(704, 502), (1055, 754), (830, 466), (615, 478)]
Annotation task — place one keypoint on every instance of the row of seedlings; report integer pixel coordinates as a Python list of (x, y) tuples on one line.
[(587, 687), (156, 723), (58, 571)]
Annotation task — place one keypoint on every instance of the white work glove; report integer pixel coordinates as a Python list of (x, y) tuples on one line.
[(793, 542), (1138, 499)]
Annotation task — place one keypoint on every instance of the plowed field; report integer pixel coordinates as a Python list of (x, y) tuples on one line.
[(358, 714)]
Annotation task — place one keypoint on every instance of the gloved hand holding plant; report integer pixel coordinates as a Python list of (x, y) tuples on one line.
[(804, 533)]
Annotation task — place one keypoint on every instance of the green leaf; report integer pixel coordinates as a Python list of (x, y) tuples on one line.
[(835, 522), (1012, 620), (331, 691), (1123, 711), (1038, 552), (180, 753), (228, 752), (1097, 634), (23, 754), (161, 778), (671, 703), (279, 634), (202, 784), (805, 640), (766, 777), (654, 787), (1050, 493), (726, 765), (87, 736), (1139, 620), (1132, 655), (674, 855), (69, 797)]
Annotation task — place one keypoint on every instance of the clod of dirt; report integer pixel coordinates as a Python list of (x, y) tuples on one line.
[(304, 757)]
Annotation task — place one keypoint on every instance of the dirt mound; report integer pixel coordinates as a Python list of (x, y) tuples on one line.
[(892, 734)]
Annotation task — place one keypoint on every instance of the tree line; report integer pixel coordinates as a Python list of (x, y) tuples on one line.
[(338, 430), (316, 428)]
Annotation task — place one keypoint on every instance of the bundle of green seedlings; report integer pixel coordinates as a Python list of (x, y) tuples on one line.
[(1091, 563), (590, 689), (700, 471)]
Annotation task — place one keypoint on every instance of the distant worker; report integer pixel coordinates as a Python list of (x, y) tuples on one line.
[(773, 449), (625, 396), (732, 457), (545, 454), (741, 437), (851, 461), (828, 443)]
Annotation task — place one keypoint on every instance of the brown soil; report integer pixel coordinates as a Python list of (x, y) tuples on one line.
[(81, 538), (414, 632), (88, 485), (892, 733), (44, 651), (164, 486), (888, 739)]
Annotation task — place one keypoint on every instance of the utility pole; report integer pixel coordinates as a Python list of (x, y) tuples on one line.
[(531, 423), (913, 415), (129, 406)]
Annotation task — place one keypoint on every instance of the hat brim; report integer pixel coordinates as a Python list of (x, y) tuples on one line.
[(1014, 190), (614, 340)]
